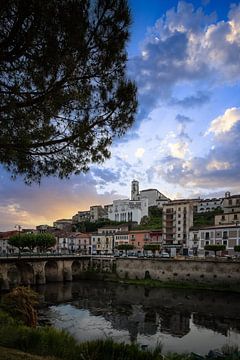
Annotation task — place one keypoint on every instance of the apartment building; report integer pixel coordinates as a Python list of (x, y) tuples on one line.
[(138, 238), (227, 218), (205, 205), (102, 243), (228, 235), (81, 216), (231, 203), (97, 212), (177, 220), (63, 224)]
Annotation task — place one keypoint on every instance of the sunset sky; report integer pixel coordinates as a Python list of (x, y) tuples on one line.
[(185, 59)]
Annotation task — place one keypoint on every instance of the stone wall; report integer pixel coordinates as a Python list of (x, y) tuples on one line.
[(200, 271)]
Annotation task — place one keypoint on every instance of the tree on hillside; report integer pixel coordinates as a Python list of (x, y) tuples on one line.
[(63, 86), (215, 248)]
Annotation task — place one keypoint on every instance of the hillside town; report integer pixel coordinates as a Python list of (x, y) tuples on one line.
[(179, 230)]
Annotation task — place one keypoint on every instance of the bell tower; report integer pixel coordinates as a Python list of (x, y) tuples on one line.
[(135, 190)]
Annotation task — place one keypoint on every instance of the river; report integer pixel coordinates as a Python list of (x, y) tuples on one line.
[(180, 320)]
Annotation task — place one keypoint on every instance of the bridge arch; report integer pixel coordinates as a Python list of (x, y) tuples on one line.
[(13, 275), (52, 273), (21, 274)]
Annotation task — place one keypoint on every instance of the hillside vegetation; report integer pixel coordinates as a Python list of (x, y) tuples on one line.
[(153, 221), (205, 219)]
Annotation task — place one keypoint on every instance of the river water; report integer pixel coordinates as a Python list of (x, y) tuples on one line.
[(180, 320)]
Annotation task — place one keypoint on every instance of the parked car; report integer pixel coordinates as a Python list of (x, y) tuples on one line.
[(165, 255)]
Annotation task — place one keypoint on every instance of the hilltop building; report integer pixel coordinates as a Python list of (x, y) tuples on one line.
[(154, 197), (63, 224), (231, 203), (128, 210)]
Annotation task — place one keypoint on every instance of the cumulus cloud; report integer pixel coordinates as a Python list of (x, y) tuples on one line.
[(186, 46), (224, 123), (218, 169), (179, 149)]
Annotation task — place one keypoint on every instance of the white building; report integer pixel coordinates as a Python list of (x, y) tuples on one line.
[(205, 205), (128, 210), (155, 197)]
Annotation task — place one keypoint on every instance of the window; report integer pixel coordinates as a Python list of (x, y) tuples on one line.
[(179, 209), (179, 229), (179, 215), (179, 221), (235, 217), (207, 235), (224, 242), (230, 202), (179, 235), (225, 235), (207, 243), (223, 217)]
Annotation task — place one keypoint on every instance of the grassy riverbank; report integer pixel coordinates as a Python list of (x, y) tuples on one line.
[(12, 354)]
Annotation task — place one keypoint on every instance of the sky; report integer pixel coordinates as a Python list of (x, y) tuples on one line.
[(185, 59)]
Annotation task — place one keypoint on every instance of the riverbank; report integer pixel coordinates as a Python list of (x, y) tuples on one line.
[(149, 283), (153, 283)]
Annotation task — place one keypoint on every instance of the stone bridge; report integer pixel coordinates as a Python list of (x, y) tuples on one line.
[(41, 270)]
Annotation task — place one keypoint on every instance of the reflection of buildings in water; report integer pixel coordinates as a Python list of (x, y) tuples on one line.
[(128, 307), (136, 321), (174, 322), (220, 325)]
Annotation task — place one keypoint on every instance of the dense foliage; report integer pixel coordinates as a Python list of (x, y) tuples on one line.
[(206, 218), (153, 221), (237, 248), (31, 241), (215, 248), (125, 247), (64, 94), (88, 226)]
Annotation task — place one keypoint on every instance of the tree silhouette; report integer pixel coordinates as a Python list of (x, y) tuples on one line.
[(64, 94)]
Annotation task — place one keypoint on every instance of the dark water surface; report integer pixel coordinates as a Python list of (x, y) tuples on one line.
[(181, 320)]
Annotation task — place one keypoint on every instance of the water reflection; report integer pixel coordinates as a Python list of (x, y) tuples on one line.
[(182, 320)]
